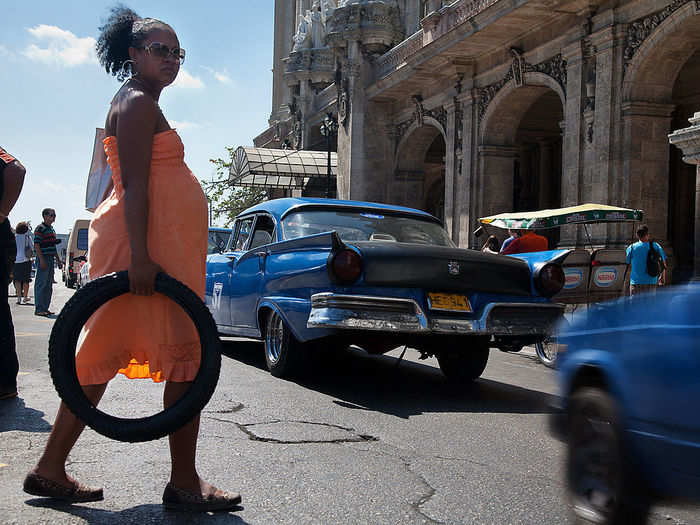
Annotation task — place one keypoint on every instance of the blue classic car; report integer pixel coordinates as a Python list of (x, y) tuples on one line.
[(630, 383), (301, 273)]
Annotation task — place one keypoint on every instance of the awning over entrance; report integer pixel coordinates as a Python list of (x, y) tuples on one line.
[(279, 168)]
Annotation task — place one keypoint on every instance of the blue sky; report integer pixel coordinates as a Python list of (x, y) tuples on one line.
[(53, 93)]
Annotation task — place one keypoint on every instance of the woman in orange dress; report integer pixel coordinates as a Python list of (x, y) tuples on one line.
[(154, 219)]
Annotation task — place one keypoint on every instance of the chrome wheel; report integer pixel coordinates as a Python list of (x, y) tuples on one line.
[(547, 351), (283, 353), (274, 338)]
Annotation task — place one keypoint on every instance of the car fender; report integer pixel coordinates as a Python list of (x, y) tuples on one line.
[(294, 311), (571, 368), (537, 260)]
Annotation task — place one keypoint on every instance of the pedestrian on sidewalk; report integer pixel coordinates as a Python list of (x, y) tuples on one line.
[(640, 279), (22, 271), (154, 219), (45, 247), (11, 181)]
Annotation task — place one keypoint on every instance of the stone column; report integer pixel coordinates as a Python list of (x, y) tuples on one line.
[(572, 143), (600, 176), (688, 140), (645, 164), (545, 169), (496, 178), (285, 26), (450, 168), (465, 213), (351, 137)]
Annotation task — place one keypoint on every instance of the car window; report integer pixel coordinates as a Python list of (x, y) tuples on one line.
[(365, 225), (242, 233), (218, 240), (263, 233), (82, 239)]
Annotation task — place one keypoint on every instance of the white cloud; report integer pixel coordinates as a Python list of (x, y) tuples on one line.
[(60, 47), (180, 125), (221, 76), (187, 81)]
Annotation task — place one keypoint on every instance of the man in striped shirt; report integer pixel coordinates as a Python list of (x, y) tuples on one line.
[(45, 246)]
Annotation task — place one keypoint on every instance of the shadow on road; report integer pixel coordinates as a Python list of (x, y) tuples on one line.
[(382, 383), (15, 415), (140, 514)]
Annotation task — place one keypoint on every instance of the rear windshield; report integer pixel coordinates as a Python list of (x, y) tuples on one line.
[(365, 225), (83, 239)]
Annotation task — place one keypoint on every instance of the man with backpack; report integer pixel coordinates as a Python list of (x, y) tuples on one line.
[(11, 180), (648, 262)]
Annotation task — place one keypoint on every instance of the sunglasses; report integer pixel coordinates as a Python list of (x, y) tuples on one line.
[(162, 51)]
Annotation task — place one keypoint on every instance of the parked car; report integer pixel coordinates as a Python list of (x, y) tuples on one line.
[(76, 247), (304, 272), (630, 391), (84, 273), (218, 239)]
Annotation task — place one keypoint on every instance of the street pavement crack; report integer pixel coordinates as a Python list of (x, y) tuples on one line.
[(237, 407), (248, 429), (417, 506), (426, 497)]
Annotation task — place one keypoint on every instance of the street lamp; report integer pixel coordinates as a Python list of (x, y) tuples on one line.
[(329, 127)]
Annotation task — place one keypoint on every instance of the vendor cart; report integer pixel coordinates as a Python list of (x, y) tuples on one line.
[(591, 275)]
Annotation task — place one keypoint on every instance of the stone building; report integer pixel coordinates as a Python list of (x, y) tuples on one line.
[(473, 107)]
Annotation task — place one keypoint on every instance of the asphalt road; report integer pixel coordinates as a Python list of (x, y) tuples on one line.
[(366, 439)]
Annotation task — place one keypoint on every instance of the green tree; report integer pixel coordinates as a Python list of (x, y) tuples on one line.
[(225, 200)]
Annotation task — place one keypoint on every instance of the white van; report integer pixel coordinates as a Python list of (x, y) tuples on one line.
[(76, 251)]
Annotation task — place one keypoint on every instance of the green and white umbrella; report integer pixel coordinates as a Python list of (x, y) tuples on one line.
[(582, 214)]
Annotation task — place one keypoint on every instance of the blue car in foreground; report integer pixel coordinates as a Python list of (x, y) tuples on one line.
[(630, 384), (304, 273)]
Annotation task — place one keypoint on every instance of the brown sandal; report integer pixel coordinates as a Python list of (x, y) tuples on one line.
[(183, 500), (37, 485)]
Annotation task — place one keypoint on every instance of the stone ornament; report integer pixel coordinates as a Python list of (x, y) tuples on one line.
[(555, 67), (639, 31)]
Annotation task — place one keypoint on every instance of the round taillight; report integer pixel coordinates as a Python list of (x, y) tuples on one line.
[(346, 266), (549, 279)]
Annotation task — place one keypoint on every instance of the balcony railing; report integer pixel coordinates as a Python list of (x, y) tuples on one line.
[(437, 24), (398, 55)]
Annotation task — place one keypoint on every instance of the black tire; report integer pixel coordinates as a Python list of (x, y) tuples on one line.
[(601, 483), (63, 341), (284, 355), (464, 363)]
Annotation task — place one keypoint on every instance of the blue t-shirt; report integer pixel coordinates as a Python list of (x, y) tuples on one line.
[(637, 257)]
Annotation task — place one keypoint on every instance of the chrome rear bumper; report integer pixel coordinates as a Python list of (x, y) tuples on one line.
[(362, 312)]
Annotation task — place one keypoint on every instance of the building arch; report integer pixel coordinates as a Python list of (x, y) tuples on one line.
[(427, 123), (661, 56), (520, 148), (418, 178), (510, 109), (660, 92)]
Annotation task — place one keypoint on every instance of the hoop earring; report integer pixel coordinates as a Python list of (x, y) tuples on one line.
[(127, 70)]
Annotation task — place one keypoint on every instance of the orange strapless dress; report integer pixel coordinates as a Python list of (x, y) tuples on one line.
[(147, 337)]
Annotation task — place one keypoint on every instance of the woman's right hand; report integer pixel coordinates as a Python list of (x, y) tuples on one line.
[(142, 276)]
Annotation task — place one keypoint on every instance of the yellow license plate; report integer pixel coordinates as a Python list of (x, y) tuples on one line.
[(449, 302)]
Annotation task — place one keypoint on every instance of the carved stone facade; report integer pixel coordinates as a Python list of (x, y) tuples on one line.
[(474, 107)]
